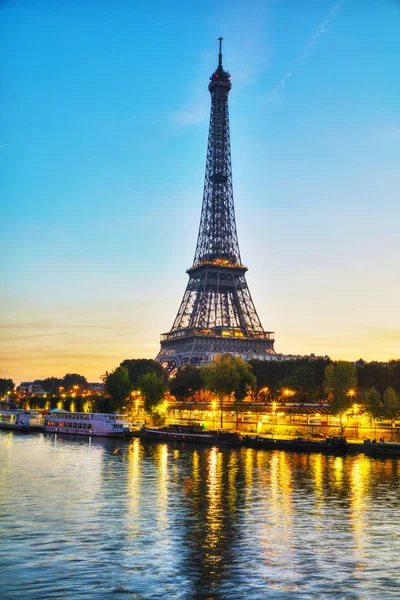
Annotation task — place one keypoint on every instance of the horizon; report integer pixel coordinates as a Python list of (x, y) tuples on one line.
[(103, 155)]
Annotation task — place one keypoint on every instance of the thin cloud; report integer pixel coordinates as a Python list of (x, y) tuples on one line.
[(192, 115), (312, 40)]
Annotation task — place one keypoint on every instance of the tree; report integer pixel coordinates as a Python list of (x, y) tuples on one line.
[(372, 375), (51, 385), (302, 381), (152, 388), (228, 374), (268, 374), (186, 382), (137, 367), (245, 380), (306, 375), (6, 386), (340, 379), (391, 403), (71, 379), (118, 386), (394, 374), (372, 401)]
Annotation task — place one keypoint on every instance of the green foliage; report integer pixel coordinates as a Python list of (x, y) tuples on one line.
[(267, 373), (187, 380), (228, 375), (118, 386), (71, 379), (137, 367), (372, 375), (102, 404), (372, 402), (391, 403), (245, 379), (394, 375), (6, 386), (152, 388), (340, 378), (302, 380), (219, 376), (305, 375), (51, 385)]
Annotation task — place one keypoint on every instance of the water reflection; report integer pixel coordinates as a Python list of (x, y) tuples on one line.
[(162, 484), (165, 521), (133, 488)]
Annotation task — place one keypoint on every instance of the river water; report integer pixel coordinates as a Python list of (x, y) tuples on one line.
[(114, 520)]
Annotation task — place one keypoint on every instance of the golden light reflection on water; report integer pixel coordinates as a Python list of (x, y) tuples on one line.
[(6, 439), (195, 473), (162, 496), (133, 488), (338, 471), (232, 473), (317, 463), (199, 532), (359, 477), (214, 514), (317, 469), (248, 474), (277, 528)]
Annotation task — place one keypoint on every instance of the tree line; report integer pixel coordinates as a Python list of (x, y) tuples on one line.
[(373, 386), (345, 386)]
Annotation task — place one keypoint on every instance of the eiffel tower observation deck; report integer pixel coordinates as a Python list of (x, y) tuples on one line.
[(217, 313)]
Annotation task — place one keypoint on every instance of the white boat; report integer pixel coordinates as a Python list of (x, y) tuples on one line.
[(90, 424), (21, 420)]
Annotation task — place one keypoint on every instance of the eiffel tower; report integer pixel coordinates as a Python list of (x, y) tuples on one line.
[(217, 313)]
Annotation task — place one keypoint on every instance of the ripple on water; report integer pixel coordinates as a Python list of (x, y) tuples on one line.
[(152, 521)]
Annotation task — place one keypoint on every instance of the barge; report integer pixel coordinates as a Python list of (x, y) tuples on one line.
[(331, 445), (381, 448), (190, 433)]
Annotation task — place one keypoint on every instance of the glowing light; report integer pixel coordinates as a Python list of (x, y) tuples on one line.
[(287, 392)]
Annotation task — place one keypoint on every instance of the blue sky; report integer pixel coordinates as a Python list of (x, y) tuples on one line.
[(102, 154)]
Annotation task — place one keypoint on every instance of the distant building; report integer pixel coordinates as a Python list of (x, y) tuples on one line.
[(96, 387), (276, 357), (31, 387)]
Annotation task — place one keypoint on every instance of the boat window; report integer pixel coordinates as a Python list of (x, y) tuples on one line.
[(89, 426), (75, 425)]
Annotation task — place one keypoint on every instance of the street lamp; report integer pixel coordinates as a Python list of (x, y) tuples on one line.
[(351, 393)]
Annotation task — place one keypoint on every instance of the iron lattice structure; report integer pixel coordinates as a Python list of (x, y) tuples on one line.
[(217, 313)]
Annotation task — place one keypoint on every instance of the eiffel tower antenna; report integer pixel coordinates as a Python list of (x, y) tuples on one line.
[(217, 313)]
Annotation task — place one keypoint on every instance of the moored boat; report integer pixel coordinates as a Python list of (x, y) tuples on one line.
[(381, 448), (190, 433), (89, 424), (331, 445), (21, 420)]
